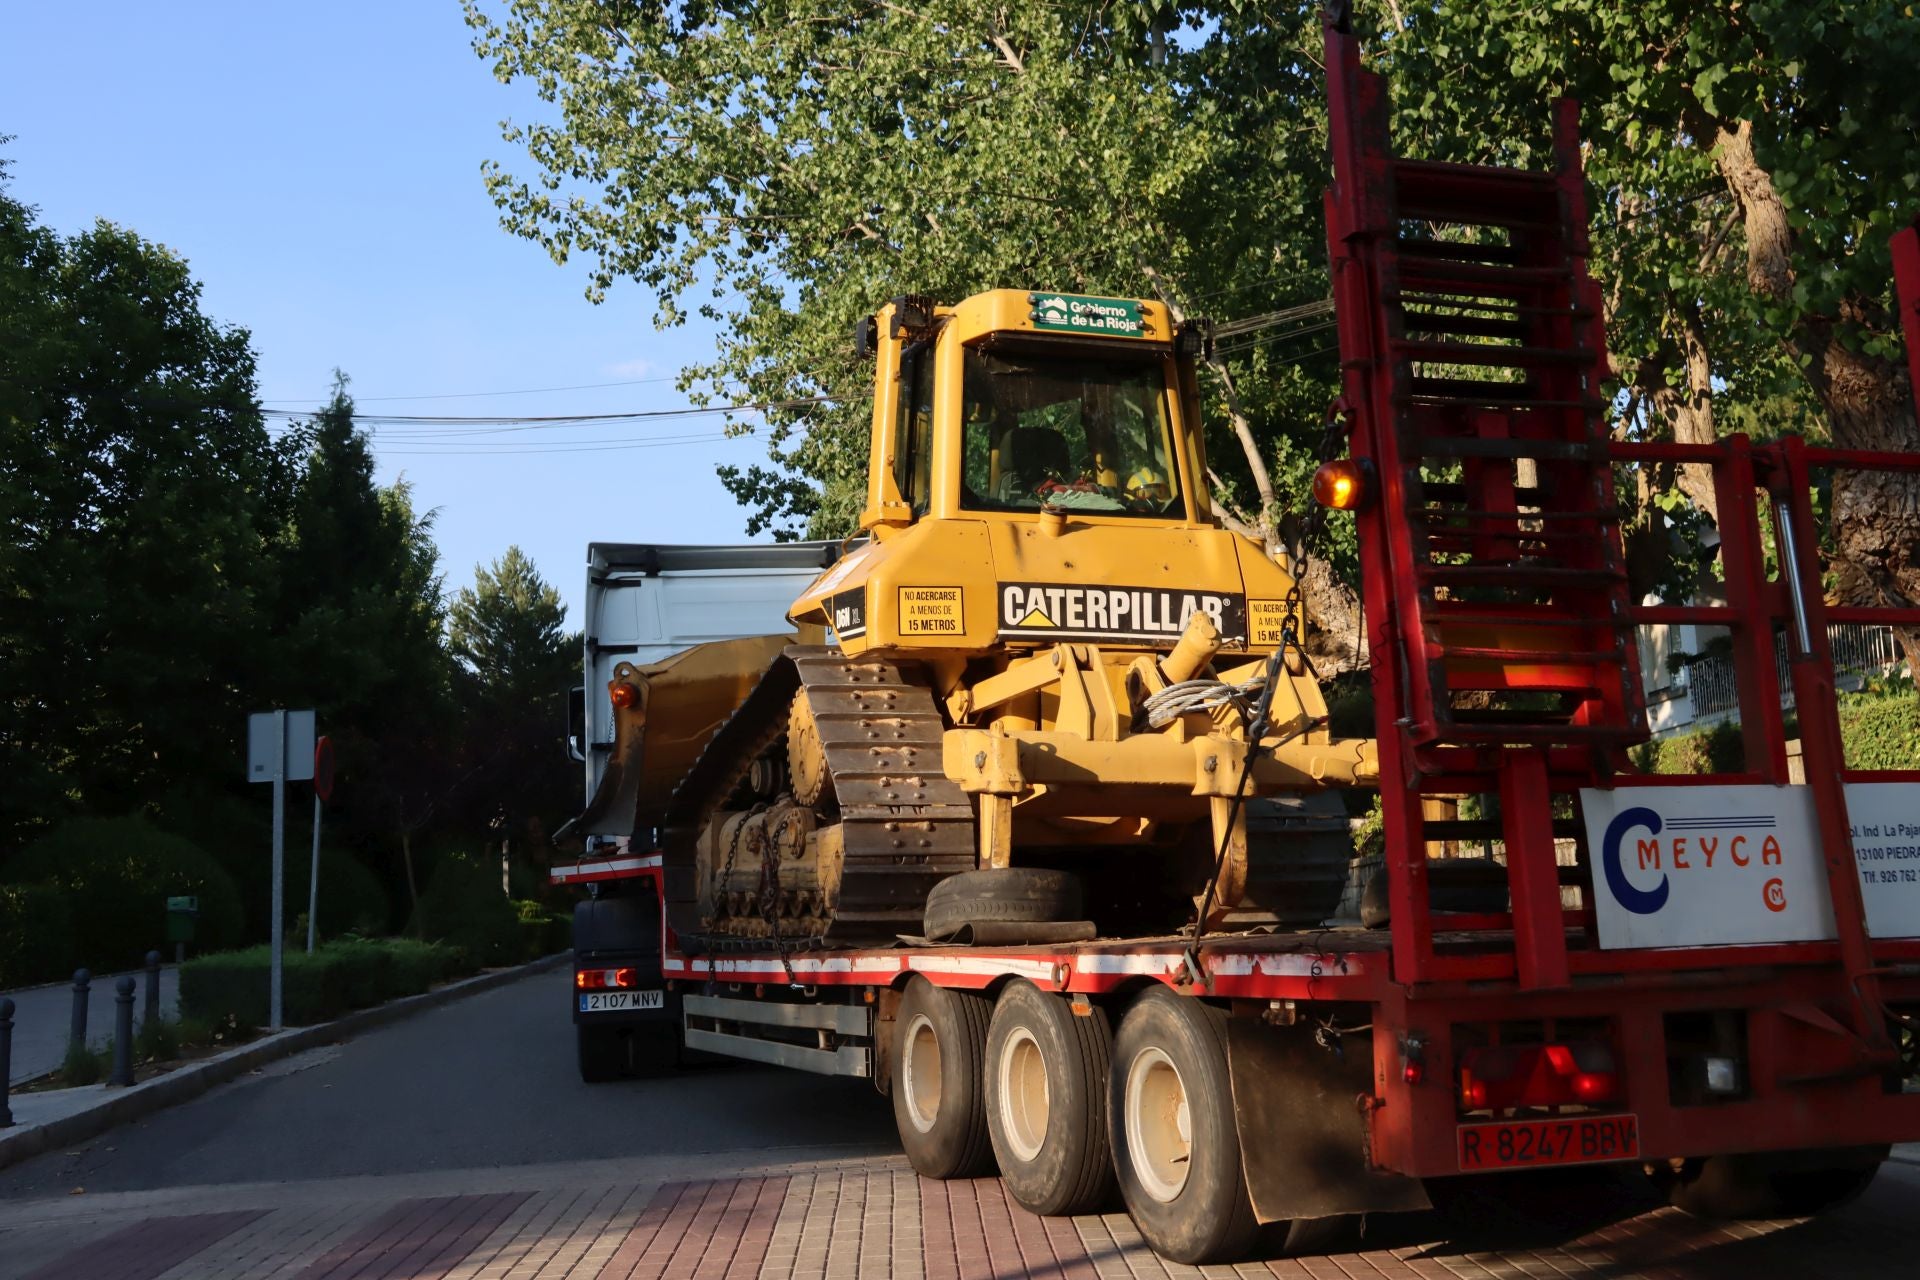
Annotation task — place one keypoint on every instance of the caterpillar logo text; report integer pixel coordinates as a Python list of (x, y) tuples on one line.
[(1073, 611)]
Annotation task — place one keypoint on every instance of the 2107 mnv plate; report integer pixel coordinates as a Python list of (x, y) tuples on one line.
[(613, 1001)]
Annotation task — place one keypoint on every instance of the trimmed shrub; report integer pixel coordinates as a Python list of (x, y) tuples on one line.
[(36, 935), (1715, 750), (354, 973), (463, 906), (1881, 732), (116, 875)]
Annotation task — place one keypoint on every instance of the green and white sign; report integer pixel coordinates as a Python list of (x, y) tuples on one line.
[(1070, 313)]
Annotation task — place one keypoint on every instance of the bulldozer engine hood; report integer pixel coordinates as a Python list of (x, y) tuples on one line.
[(976, 585)]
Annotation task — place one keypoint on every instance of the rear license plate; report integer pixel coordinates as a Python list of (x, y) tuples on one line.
[(1516, 1144), (611, 1001)]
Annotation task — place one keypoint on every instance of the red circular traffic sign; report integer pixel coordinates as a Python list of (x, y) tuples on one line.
[(323, 769)]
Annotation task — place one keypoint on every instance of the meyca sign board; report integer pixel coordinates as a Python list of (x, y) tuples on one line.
[(1722, 866)]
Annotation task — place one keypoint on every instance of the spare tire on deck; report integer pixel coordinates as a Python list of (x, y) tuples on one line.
[(1006, 906)]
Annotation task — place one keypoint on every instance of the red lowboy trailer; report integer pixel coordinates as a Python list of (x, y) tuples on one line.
[(1718, 984)]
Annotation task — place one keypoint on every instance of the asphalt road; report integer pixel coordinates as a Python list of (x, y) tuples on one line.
[(484, 1082)]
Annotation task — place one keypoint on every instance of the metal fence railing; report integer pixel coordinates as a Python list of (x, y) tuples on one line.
[(1859, 651)]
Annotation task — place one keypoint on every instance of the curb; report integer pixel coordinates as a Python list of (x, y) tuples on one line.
[(119, 1106)]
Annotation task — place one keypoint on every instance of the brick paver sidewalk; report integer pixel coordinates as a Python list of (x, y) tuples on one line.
[(865, 1219)]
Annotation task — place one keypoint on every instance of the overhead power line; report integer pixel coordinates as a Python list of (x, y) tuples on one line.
[(523, 391)]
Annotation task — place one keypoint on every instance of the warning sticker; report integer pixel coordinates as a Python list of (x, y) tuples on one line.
[(1074, 611), (931, 611), (1266, 622)]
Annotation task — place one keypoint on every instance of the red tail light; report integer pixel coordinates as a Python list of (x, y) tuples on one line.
[(1542, 1075), (605, 979)]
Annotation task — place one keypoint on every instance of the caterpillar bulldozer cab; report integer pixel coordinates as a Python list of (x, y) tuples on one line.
[(1044, 662)]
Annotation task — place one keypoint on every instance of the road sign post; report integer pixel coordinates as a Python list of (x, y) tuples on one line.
[(322, 793), (280, 749)]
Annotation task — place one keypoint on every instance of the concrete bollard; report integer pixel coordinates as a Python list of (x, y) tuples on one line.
[(77, 1035), (151, 1017), (123, 1033), (6, 1060)]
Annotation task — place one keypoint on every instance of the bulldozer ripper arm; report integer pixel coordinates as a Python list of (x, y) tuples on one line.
[(1003, 763)]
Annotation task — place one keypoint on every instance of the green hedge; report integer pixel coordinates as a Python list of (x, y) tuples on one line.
[(36, 935), (1878, 731), (354, 973), (1881, 732), (115, 876), (1715, 750)]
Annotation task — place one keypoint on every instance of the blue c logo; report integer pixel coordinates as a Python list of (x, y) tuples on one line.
[(1642, 902)]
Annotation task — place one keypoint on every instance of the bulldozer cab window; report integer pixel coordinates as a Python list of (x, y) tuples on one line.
[(1071, 432), (913, 430)]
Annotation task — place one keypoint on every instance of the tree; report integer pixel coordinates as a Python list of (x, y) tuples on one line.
[(507, 631), (799, 163), (518, 662), (137, 492), (360, 621), (1754, 159)]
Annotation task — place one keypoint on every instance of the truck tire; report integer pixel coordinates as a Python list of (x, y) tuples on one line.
[(1176, 1144), (602, 1054), (1046, 1070), (1769, 1184), (1002, 895), (939, 1081)]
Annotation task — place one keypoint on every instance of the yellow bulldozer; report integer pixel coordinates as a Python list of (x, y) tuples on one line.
[(1024, 706)]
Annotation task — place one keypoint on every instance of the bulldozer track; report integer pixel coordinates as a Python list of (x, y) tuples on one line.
[(905, 824)]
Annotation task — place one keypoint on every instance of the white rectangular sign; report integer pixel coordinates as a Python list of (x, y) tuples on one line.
[(263, 743), (1720, 866)]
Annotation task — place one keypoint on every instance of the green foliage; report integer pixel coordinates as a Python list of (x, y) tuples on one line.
[(36, 934), (1881, 731), (232, 986), (82, 1066), (1718, 749), (137, 488), (157, 1041), (805, 162), (116, 875), (516, 665), (463, 906)]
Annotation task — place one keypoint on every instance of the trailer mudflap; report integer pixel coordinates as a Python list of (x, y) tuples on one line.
[(1303, 1135)]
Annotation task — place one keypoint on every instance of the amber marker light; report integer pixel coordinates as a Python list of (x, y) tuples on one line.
[(623, 694), (1341, 484)]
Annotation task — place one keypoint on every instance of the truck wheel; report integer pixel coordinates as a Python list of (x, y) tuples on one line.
[(1175, 1141), (1002, 895), (602, 1054), (1767, 1184), (938, 1085), (1047, 1101)]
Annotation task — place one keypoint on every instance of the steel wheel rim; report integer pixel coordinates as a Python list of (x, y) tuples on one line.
[(920, 1076), (1025, 1100), (1159, 1125)]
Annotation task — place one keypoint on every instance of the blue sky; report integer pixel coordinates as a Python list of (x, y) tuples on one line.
[(318, 165)]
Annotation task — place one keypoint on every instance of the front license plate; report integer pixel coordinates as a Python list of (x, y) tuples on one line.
[(1516, 1144), (610, 1001)]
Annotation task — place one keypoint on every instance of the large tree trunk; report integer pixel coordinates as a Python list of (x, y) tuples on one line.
[(1687, 409), (1868, 400)]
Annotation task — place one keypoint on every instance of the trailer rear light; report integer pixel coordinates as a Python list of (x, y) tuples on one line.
[(605, 979), (1502, 1077), (1341, 484)]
